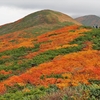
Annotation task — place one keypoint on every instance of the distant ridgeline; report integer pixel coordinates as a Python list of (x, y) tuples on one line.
[(89, 20)]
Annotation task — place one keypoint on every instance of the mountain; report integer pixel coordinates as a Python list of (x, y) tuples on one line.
[(40, 18), (49, 60), (89, 20)]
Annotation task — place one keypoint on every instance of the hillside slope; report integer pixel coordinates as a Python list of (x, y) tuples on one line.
[(89, 20), (40, 18), (59, 63)]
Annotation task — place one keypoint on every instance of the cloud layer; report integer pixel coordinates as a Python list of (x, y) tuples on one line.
[(12, 10)]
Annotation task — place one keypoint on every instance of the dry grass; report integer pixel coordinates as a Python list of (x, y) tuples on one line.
[(70, 93)]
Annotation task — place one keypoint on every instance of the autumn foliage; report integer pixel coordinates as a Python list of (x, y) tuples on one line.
[(57, 39), (63, 70), (74, 68), (15, 40)]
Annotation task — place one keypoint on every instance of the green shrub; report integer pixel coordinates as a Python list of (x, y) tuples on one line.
[(95, 93), (94, 81), (50, 54), (3, 77), (92, 36)]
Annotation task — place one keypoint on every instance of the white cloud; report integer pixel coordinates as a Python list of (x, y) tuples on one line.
[(11, 10), (11, 14)]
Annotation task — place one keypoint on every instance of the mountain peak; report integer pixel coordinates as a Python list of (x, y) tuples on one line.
[(89, 20), (49, 17), (43, 17)]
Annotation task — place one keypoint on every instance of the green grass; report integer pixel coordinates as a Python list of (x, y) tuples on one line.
[(3, 77), (28, 92), (50, 54), (81, 92), (92, 36), (46, 28)]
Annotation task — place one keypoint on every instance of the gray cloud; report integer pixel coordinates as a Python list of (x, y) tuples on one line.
[(66, 5), (70, 7)]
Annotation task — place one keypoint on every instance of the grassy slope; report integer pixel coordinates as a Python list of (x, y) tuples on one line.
[(32, 66), (40, 18), (13, 62)]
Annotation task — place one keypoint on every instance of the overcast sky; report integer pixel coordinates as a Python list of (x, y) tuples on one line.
[(12, 10)]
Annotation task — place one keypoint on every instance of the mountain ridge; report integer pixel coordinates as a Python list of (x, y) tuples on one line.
[(89, 20), (43, 17)]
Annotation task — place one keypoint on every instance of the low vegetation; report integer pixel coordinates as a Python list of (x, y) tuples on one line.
[(58, 61)]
